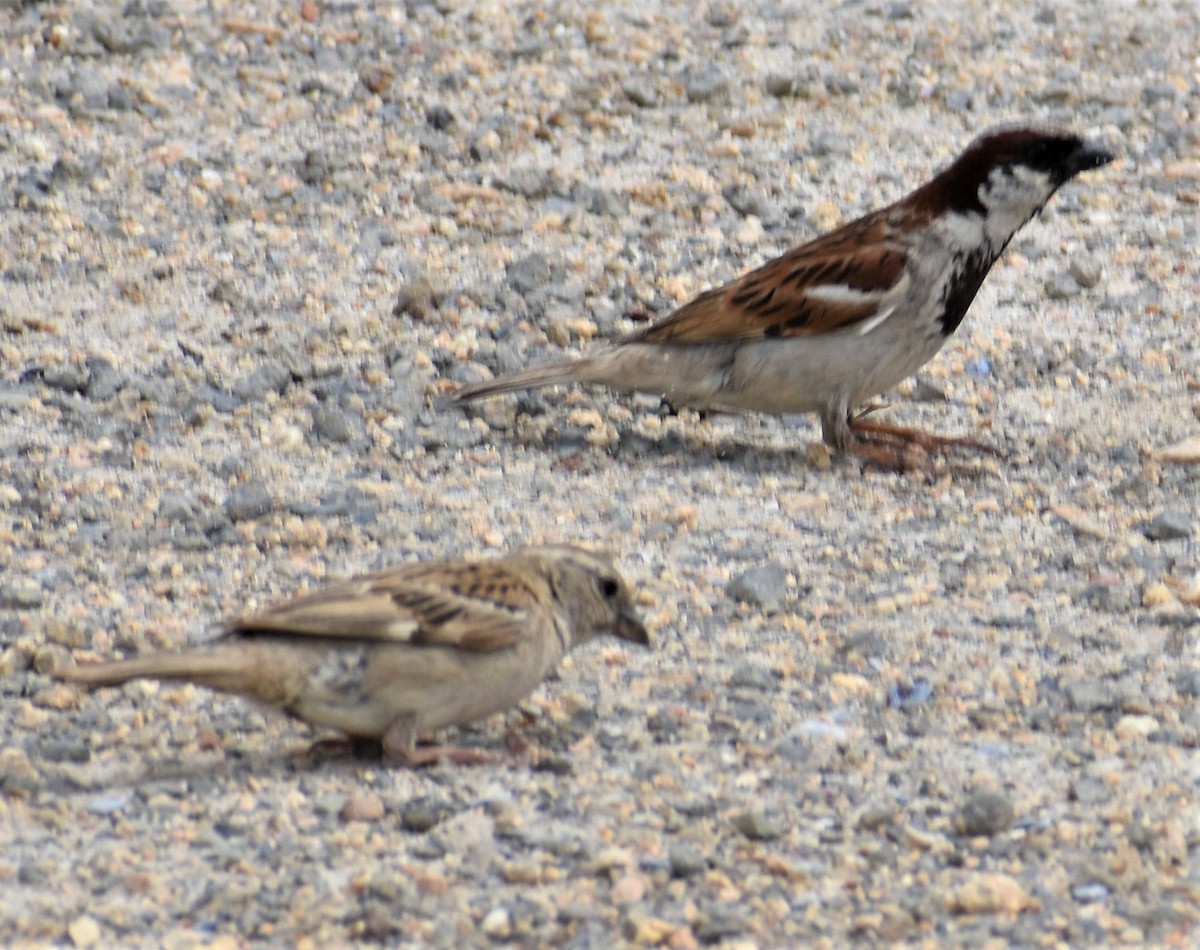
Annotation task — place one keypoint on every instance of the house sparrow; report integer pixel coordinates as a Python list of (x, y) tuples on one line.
[(849, 314), (395, 654)]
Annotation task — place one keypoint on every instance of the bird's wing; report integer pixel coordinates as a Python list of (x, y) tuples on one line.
[(479, 608), (841, 282)]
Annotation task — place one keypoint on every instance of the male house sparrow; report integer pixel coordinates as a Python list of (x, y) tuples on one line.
[(395, 654), (849, 314)]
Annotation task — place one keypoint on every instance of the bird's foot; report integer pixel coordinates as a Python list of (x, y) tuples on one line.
[(458, 755), (886, 434), (902, 449)]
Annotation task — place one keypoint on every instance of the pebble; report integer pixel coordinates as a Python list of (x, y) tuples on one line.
[(764, 586), (686, 860), (421, 814), (362, 807), (1168, 526), (332, 424), (496, 924), (988, 893), (1089, 893), (84, 931), (985, 812), (757, 825), (249, 502)]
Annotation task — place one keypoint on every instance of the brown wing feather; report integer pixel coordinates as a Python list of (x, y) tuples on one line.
[(476, 607), (773, 300)]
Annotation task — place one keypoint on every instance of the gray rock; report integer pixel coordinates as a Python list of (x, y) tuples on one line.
[(67, 378), (248, 502), (640, 92), (1094, 696), (757, 825), (21, 593), (1187, 684), (272, 376), (1168, 526), (985, 812), (718, 922), (752, 676), (332, 424), (685, 859), (178, 507), (104, 379), (705, 84), (764, 586), (529, 273), (421, 814), (1061, 287), (1085, 272)]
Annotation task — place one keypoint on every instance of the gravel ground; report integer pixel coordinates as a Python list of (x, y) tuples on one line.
[(246, 251)]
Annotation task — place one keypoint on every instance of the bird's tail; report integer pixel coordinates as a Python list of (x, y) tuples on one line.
[(231, 669), (555, 374)]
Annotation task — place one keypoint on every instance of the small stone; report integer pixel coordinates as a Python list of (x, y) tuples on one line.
[(782, 85), (376, 77), (21, 593), (909, 695), (271, 377), (686, 860), (108, 804), (1187, 684), (1089, 893), (1157, 595), (521, 872), (177, 507), (1168, 526), (1085, 272), (764, 586), (104, 379), (718, 923), (1061, 287), (225, 291), (248, 502), (640, 92), (363, 807), (704, 85), (628, 889), (84, 931), (749, 232), (421, 814), (1186, 452), (529, 273), (1092, 696), (440, 118), (1133, 727), (417, 298), (332, 424), (757, 825), (497, 924), (67, 378), (985, 812), (988, 893)]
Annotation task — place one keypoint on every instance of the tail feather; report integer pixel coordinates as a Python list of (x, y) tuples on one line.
[(554, 374), (229, 669)]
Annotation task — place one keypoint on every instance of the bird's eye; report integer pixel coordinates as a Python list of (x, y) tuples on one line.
[(609, 588)]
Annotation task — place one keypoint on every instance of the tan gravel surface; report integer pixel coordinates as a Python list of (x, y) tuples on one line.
[(246, 251)]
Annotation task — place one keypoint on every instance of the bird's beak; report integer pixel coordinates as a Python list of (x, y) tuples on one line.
[(629, 627), (1090, 155)]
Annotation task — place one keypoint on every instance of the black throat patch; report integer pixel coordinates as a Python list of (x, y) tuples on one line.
[(960, 291)]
